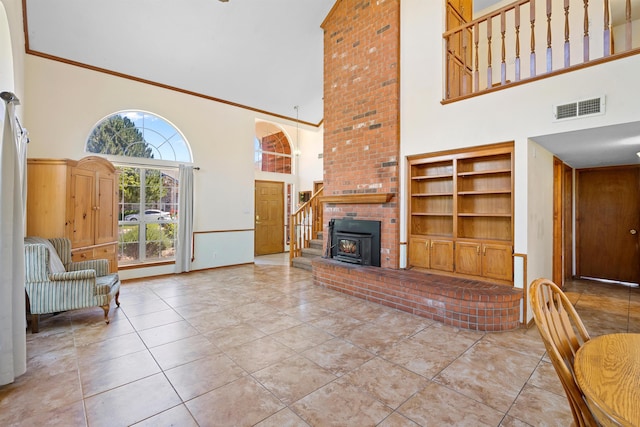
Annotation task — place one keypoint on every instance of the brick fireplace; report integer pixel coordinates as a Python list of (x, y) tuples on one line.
[(361, 174), (361, 117)]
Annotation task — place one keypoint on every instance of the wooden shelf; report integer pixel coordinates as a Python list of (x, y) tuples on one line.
[(461, 212), (372, 198)]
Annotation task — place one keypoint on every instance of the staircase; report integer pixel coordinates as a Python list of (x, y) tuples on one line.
[(308, 254), (306, 223)]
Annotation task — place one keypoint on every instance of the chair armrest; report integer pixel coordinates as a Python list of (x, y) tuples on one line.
[(36, 257), (101, 266), (73, 275)]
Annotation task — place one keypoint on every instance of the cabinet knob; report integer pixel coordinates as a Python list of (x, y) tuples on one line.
[(633, 231)]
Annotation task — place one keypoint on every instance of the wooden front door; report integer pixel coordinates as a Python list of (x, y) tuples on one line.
[(608, 222), (269, 220)]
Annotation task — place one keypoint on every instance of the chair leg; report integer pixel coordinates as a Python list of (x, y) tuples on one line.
[(34, 323), (106, 313), (118, 298)]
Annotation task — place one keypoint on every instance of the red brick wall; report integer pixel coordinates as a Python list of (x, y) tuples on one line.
[(361, 113)]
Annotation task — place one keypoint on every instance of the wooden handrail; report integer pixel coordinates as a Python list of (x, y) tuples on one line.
[(306, 223), (472, 68)]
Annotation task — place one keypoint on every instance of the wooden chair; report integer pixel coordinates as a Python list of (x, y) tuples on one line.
[(563, 333)]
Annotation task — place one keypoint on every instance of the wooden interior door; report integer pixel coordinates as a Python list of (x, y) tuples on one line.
[(269, 220), (608, 222)]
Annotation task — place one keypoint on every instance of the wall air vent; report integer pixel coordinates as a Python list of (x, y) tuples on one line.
[(577, 109)]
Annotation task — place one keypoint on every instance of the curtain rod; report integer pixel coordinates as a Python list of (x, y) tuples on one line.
[(9, 97)]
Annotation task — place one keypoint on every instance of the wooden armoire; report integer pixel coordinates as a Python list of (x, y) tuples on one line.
[(78, 200)]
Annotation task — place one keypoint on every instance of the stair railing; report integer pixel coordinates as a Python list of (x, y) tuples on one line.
[(306, 223), (531, 39)]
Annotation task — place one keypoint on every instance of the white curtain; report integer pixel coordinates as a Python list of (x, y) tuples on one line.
[(13, 346), (185, 219)]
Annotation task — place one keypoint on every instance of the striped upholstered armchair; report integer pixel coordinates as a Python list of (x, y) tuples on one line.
[(54, 283)]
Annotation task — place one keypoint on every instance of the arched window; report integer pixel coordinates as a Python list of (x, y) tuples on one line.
[(147, 151), (272, 149)]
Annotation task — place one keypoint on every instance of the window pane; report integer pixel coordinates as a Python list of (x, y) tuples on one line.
[(128, 246)]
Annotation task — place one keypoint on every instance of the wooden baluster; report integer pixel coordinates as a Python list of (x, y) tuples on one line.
[(463, 74), (549, 50), (532, 18), (628, 25), (585, 38), (517, 62), (489, 69), (503, 64), (476, 42), (567, 46), (607, 29)]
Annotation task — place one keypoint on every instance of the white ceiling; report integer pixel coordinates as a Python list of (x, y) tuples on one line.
[(262, 54), (266, 55)]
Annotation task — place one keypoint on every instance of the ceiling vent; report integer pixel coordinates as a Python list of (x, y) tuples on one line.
[(577, 109)]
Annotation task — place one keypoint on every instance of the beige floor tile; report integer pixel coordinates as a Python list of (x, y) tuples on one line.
[(131, 403), (430, 351), (293, 378), (275, 322), (539, 407), (437, 405), (235, 327), (109, 349), (71, 415), (546, 378), (397, 420), (108, 374), (283, 418), (32, 396), (338, 356), (183, 351), (301, 337), (203, 375), (178, 416), (340, 404), (259, 354), (152, 320), (167, 333), (91, 333), (489, 374), (233, 336), (391, 384), (243, 402)]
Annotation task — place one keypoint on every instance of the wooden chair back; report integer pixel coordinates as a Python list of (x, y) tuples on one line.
[(563, 333)]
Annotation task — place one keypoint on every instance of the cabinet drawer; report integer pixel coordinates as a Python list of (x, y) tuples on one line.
[(82, 255)]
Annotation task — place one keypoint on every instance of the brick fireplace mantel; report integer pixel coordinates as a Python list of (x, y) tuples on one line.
[(366, 198)]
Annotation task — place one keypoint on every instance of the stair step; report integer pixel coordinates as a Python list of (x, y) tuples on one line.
[(311, 252), (303, 263), (316, 243)]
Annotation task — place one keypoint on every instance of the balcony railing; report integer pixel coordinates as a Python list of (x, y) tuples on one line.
[(531, 39)]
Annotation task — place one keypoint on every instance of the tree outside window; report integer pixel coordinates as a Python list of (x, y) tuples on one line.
[(148, 207)]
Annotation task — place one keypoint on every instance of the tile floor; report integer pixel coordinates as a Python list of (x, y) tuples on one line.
[(261, 345)]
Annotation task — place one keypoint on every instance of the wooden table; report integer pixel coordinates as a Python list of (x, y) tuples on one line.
[(607, 369)]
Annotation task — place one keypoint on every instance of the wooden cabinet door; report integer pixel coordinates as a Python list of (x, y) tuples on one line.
[(497, 261), (468, 258), (441, 255), (419, 252), (106, 208), (82, 207)]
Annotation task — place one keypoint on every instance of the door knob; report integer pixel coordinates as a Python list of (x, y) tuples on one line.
[(633, 231)]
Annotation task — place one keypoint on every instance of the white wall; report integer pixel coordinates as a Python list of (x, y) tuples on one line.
[(12, 51), (64, 102), (515, 114)]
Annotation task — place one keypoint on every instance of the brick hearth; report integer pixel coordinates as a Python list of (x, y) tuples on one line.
[(453, 301)]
